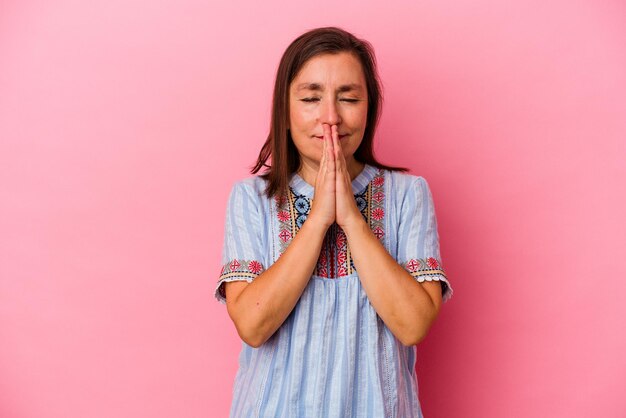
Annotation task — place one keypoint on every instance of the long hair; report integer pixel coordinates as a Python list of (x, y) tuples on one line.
[(279, 144)]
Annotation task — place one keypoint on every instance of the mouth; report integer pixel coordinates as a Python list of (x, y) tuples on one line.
[(340, 136)]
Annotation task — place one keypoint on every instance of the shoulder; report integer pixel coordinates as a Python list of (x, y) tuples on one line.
[(247, 197), (404, 183), (252, 186)]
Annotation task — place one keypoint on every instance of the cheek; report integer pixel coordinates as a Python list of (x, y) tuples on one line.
[(358, 118), (363, 117), (301, 118), (306, 145)]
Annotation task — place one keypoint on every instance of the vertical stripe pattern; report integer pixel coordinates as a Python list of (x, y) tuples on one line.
[(333, 356)]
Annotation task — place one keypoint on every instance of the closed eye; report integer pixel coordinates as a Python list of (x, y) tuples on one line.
[(315, 99)]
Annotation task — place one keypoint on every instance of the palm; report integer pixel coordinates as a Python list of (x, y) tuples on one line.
[(346, 209), (334, 201)]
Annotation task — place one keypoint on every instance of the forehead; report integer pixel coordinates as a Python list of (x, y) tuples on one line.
[(342, 71)]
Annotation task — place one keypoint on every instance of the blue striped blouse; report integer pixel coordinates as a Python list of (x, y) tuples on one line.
[(333, 356)]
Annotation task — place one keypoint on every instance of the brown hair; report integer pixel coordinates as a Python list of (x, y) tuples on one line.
[(285, 157)]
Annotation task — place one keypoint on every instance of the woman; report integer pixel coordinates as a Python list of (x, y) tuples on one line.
[(331, 269)]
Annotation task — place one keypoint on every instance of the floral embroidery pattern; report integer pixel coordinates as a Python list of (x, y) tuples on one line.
[(238, 268), (288, 216), (283, 216), (421, 266), (425, 269), (376, 214), (334, 259)]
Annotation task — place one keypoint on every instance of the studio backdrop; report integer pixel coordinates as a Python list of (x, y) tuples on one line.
[(124, 124)]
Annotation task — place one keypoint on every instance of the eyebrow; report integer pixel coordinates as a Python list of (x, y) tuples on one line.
[(318, 87)]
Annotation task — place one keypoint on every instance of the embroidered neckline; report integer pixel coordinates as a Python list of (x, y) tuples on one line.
[(335, 259), (360, 182)]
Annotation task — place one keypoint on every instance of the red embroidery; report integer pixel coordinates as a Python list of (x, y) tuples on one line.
[(413, 265), (238, 269), (378, 214), (255, 267), (423, 266), (341, 239), (322, 262), (334, 254), (342, 257), (432, 263), (234, 265), (285, 235), (378, 196)]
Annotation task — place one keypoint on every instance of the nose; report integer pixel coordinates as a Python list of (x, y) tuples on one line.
[(330, 113)]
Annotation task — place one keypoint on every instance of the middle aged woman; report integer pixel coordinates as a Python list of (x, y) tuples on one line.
[(331, 270)]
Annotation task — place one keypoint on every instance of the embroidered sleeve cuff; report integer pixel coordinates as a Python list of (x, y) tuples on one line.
[(237, 270), (429, 269)]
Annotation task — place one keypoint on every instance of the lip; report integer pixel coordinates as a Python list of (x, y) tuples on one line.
[(340, 136)]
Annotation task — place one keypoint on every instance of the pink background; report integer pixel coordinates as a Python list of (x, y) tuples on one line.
[(124, 124)]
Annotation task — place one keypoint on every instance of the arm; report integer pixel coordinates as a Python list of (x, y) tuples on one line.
[(259, 308), (406, 306)]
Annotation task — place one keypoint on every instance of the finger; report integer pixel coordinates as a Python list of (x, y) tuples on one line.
[(336, 145), (331, 153), (324, 151), (340, 162), (336, 148), (322, 168), (339, 157)]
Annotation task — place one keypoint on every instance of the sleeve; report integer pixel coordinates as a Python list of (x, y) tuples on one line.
[(418, 242), (242, 255)]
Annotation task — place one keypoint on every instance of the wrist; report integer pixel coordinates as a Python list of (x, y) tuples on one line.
[(355, 224), (314, 223)]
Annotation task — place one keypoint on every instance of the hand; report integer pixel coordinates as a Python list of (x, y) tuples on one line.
[(347, 211), (323, 206)]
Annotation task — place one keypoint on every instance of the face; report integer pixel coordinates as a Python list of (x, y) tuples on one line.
[(331, 89)]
